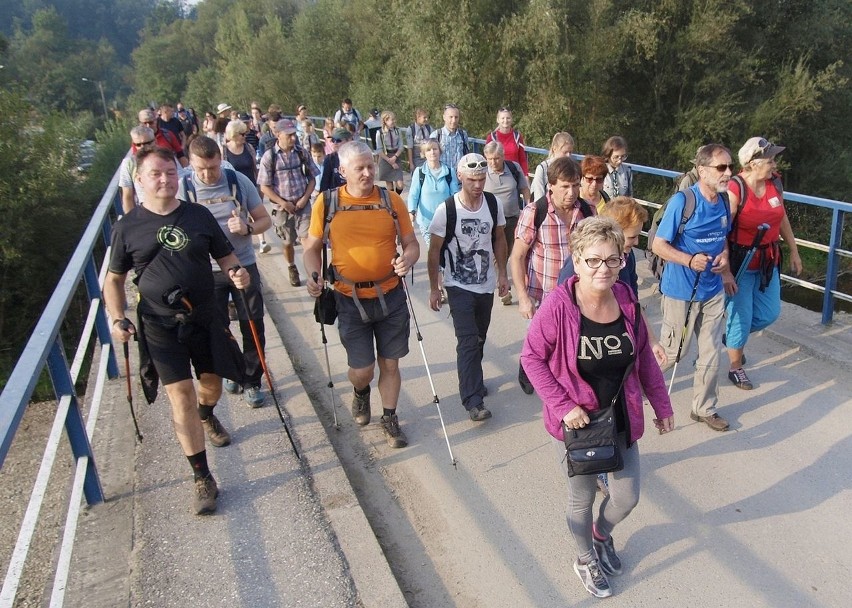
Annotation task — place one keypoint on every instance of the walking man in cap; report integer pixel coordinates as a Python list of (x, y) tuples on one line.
[(287, 178), (468, 229)]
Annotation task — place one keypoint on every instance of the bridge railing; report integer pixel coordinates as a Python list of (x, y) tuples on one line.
[(833, 248), (45, 347)]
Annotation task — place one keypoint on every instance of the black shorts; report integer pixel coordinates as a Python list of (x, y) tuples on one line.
[(386, 335), (173, 355)]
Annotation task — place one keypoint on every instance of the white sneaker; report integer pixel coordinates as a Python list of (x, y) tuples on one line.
[(593, 578), (265, 247)]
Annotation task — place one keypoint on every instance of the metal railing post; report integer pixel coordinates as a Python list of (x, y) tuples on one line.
[(60, 375), (833, 266), (93, 288)]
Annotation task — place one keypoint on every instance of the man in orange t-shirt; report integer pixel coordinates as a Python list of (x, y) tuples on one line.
[(373, 321)]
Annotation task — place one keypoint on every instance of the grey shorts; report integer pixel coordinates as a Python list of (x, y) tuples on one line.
[(386, 336), (291, 226)]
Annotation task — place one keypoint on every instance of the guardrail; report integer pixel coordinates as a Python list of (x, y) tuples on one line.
[(833, 248), (45, 347)]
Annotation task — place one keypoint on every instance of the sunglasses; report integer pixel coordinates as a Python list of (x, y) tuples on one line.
[(337, 141), (451, 106), (593, 180), (762, 146), (143, 143), (721, 168), (477, 164), (595, 263)]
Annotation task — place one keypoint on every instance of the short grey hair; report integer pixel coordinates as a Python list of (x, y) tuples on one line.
[(141, 131), (594, 230), (352, 149), (494, 147), (705, 154)]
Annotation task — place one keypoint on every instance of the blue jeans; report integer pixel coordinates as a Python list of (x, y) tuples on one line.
[(471, 314)]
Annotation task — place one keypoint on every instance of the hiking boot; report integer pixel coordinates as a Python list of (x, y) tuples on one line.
[(478, 413), (361, 408), (254, 396), (265, 247), (507, 299), (607, 557), (393, 434), (525, 383), (217, 434), (593, 578), (206, 492), (295, 280), (232, 387), (740, 380), (714, 421)]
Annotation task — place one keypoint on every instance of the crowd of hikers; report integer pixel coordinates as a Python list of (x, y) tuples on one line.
[(562, 242)]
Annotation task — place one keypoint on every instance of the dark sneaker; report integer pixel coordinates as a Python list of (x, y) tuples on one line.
[(361, 408), (393, 434), (295, 280), (255, 396), (740, 380), (607, 557), (217, 434), (525, 383), (206, 492), (593, 578), (478, 413), (232, 387), (715, 421)]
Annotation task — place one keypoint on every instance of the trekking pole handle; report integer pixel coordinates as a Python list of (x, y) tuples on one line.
[(761, 231)]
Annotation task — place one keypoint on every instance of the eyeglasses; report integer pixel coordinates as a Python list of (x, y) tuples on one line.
[(762, 146), (595, 263), (143, 143), (721, 168), (477, 164), (593, 180), (619, 157)]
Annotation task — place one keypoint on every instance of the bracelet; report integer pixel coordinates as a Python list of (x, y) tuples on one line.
[(689, 264)]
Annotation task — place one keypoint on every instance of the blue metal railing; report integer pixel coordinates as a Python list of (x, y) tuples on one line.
[(45, 347), (833, 248)]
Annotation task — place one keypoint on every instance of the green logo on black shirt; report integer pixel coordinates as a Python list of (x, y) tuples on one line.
[(172, 238)]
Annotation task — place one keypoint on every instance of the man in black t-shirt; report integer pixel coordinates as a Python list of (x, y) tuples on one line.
[(169, 244)]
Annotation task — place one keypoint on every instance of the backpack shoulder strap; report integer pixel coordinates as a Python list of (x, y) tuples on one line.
[(492, 208), (465, 148), (688, 209), (450, 231), (540, 212), (605, 196), (234, 186), (515, 170), (517, 136), (585, 208), (189, 189), (330, 199)]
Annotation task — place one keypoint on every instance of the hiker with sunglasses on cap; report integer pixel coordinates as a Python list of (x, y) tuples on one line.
[(757, 197), (696, 255), (468, 237)]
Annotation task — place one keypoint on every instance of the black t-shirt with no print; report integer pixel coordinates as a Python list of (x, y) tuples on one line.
[(169, 250)]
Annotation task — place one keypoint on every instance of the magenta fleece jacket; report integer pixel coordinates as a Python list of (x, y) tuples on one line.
[(549, 358)]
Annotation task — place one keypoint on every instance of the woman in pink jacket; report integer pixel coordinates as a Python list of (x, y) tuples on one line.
[(579, 345)]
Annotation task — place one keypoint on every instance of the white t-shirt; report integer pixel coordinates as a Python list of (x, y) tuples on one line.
[(470, 255)]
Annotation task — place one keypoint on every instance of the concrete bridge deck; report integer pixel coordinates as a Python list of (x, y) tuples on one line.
[(757, 516)]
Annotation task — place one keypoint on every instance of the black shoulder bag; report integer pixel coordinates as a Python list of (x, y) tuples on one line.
[(594, 448)]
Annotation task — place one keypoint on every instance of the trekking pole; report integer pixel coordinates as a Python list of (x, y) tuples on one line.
[(685, 326), (330, 385), (761, 232), (124, 324), (262, 357), (435, 400)]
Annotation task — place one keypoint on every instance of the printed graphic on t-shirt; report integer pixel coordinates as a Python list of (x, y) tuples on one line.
[(600, 347), (472, 252), (172, 238)]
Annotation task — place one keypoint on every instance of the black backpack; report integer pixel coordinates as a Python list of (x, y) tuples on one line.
[(448, 177), (452, 216), (541, 210)]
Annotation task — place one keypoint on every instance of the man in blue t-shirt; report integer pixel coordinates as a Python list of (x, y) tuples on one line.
[(692, 278)]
